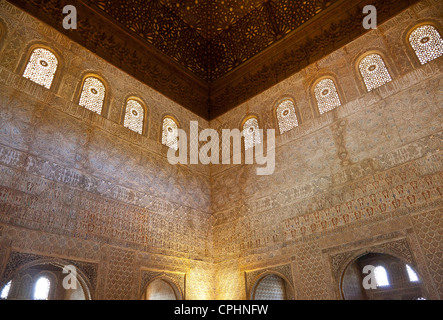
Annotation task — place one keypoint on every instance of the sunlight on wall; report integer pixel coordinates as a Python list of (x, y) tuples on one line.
[(230, 282), (200, 283)]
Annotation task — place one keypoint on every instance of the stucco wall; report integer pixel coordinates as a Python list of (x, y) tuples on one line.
[(78, 187), (365, 176)]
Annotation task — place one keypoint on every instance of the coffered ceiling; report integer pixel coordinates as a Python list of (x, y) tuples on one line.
[(211, 37), (211, 55)]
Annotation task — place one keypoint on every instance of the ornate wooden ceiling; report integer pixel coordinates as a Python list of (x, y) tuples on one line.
[(209, 55), (211, 37)]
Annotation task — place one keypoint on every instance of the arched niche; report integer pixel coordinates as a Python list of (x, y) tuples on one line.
[(272, 286), (380, 276), (161, 289), (24, 280)]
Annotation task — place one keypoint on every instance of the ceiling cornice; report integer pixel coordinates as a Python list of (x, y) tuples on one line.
[(333, 28)]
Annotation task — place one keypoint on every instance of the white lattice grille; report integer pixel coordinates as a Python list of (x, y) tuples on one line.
[(286, 116), (374, 71), (41, 67), (251, 133), (93, 95), (427, 43), (134, 116), (326, 95), (170, 133)]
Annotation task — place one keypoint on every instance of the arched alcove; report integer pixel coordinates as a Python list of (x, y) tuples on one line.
[(380, 276), (29, 278), (161, 289), (272, 286)]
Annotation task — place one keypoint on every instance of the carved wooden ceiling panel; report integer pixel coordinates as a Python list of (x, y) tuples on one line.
[(211, 37), (211, 17)]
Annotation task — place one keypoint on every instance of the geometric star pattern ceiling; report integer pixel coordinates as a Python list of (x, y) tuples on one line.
[(211, 37)]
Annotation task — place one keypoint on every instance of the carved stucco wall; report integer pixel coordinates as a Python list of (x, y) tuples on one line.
[(80, 187), (365, 175)]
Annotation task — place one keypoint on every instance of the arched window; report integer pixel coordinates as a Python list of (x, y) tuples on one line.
[(170, 133), (356, 285), (41, 289), (5, 291), (381, 276), (326, 95), (427, 43), (41, 67), (93, 94), (251, 133), (374, 71), (134, 116), (413, 277), (286, 116)]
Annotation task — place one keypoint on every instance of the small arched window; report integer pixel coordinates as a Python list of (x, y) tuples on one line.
[(41, 67), (93, 94), (134, 116), (326, 95), (374, 71), (41, 289), (5, 291), (381, 276), (427, 43), (251, 133), (413, 277), (286, 116), (170, 133)]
